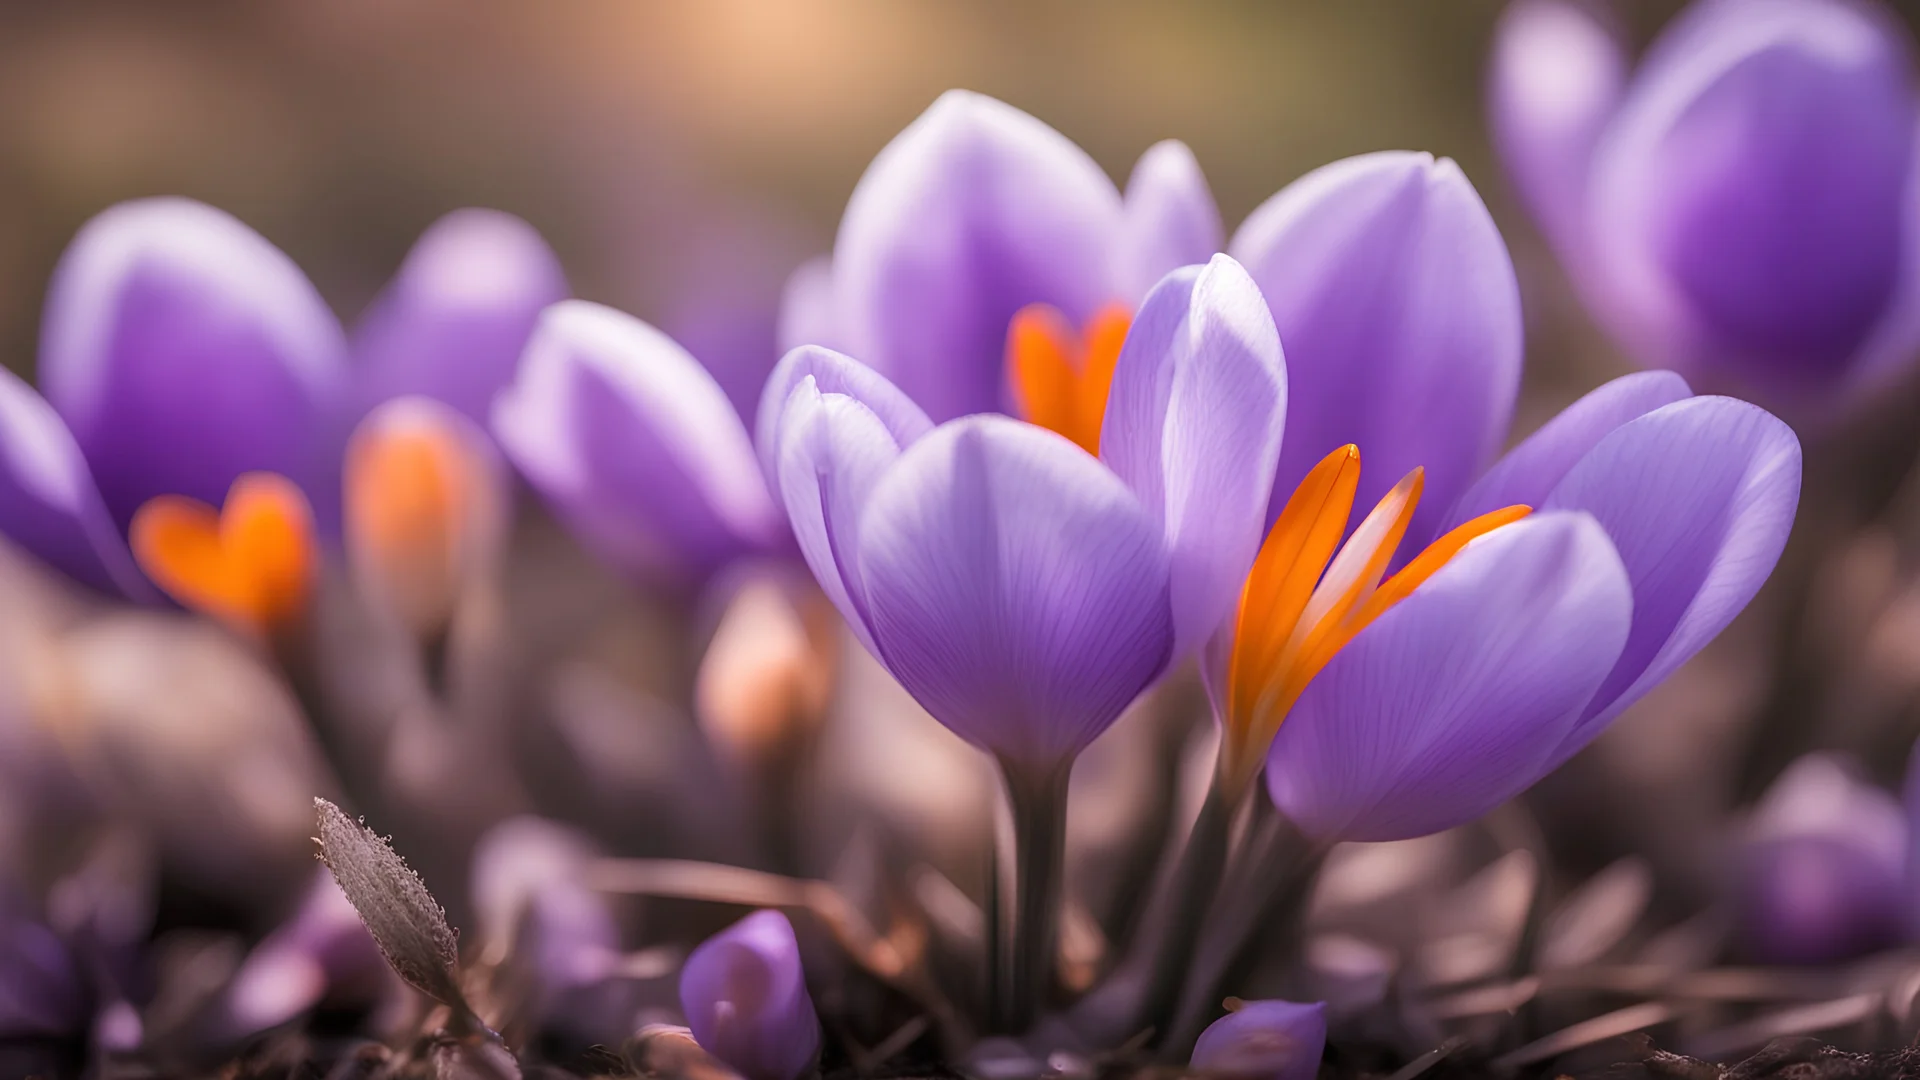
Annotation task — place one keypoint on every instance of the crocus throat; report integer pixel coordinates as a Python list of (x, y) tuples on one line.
[(249, 563), (1303, 602), (1060, 375)]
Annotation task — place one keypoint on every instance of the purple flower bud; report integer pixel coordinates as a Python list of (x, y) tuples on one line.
[(1820, 873), (1265, 1040), (746, 1000), (1741, 204)]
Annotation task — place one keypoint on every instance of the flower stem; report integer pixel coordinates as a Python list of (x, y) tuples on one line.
[(1038, 800), (1195, 882)]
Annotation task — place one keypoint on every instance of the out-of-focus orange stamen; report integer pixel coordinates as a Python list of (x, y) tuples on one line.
[(417, 505), (1061, 375), (250, 563), (1303, 603)]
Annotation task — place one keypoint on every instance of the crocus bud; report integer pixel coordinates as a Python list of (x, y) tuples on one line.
[(746, 1000), (1264, 1040), (766, 676), (1820, 871), (1740, 205), (425, 509)]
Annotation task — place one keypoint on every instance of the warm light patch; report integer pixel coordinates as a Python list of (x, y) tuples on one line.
[(1061, 374), (1303, 602), (414, 514), (250, 563)]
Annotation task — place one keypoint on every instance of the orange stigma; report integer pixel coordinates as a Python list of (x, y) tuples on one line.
[(1303, 602), (1061, 375), (250, 563)]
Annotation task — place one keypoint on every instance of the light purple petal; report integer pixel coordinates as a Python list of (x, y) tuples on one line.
[(832, 373), (1193, 426), (1170, 219), (807, 315), (453, 322), (1401, 317), (1698, 498), (1748, 198), (1265, 1040), (634, 445), (1555, 78), (48, 504), (973, 212), (1529, 472), (834, 450), (1017, 589), (1456, 698), (745, 996), (183, 349)]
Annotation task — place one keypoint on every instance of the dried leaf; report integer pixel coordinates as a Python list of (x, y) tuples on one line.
[(406, 922)]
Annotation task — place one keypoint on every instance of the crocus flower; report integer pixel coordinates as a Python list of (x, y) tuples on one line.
[(452, 323), (1819, 875), (634, 446), (1743, 203), (745, 997), (179, 350), (1264, 1040)]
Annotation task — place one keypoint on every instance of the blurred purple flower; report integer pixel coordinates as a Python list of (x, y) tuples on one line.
[(745, 997), (1264, 1040), (634, 446), (1744, 203), (1819, 876), (452, 323), (42, 994), (179, 349), (323, 953)]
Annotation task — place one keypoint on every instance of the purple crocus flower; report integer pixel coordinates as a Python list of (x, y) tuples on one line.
[(635, 446), (452, 323), (179, 350), (1743, 203), (745, 996), (1264, 1040), (1820, 871)]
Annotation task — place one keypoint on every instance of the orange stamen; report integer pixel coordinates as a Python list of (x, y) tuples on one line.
[(1061, 376), (1302, 603), (250, 563)]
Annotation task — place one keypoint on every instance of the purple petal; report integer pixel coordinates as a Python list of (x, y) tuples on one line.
[(454, 320), (183, 349), (1749, 197), (807, 315), (1698, 498), (531, 897), (973, 212), (1556, 77), (1265, 1040), (832, 373), (1170, 219), (745, 996), (833, 451), (1397, 303), (1193, 426), (1820, 869), (634, 445), (1529, 472), (1017, 589), (48, 504), (41, 992), (1456, 698)]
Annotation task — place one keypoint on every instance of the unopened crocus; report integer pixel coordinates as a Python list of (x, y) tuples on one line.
[(425, 509), (179, 350), (745, 996), (453, 321), (1819, 873), (1742, 205), (1264, 1040), (635, 447)]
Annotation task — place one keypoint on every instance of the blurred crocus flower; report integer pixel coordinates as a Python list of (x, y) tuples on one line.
[(179, 351), (745, 997), (1744, 203), (42, 994), (1264, 1040), (322, 954), (452, 323), (635, 446), (1820, 871)]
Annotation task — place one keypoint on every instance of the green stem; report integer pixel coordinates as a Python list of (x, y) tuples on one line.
[(1195, 883), (1038, 800)]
